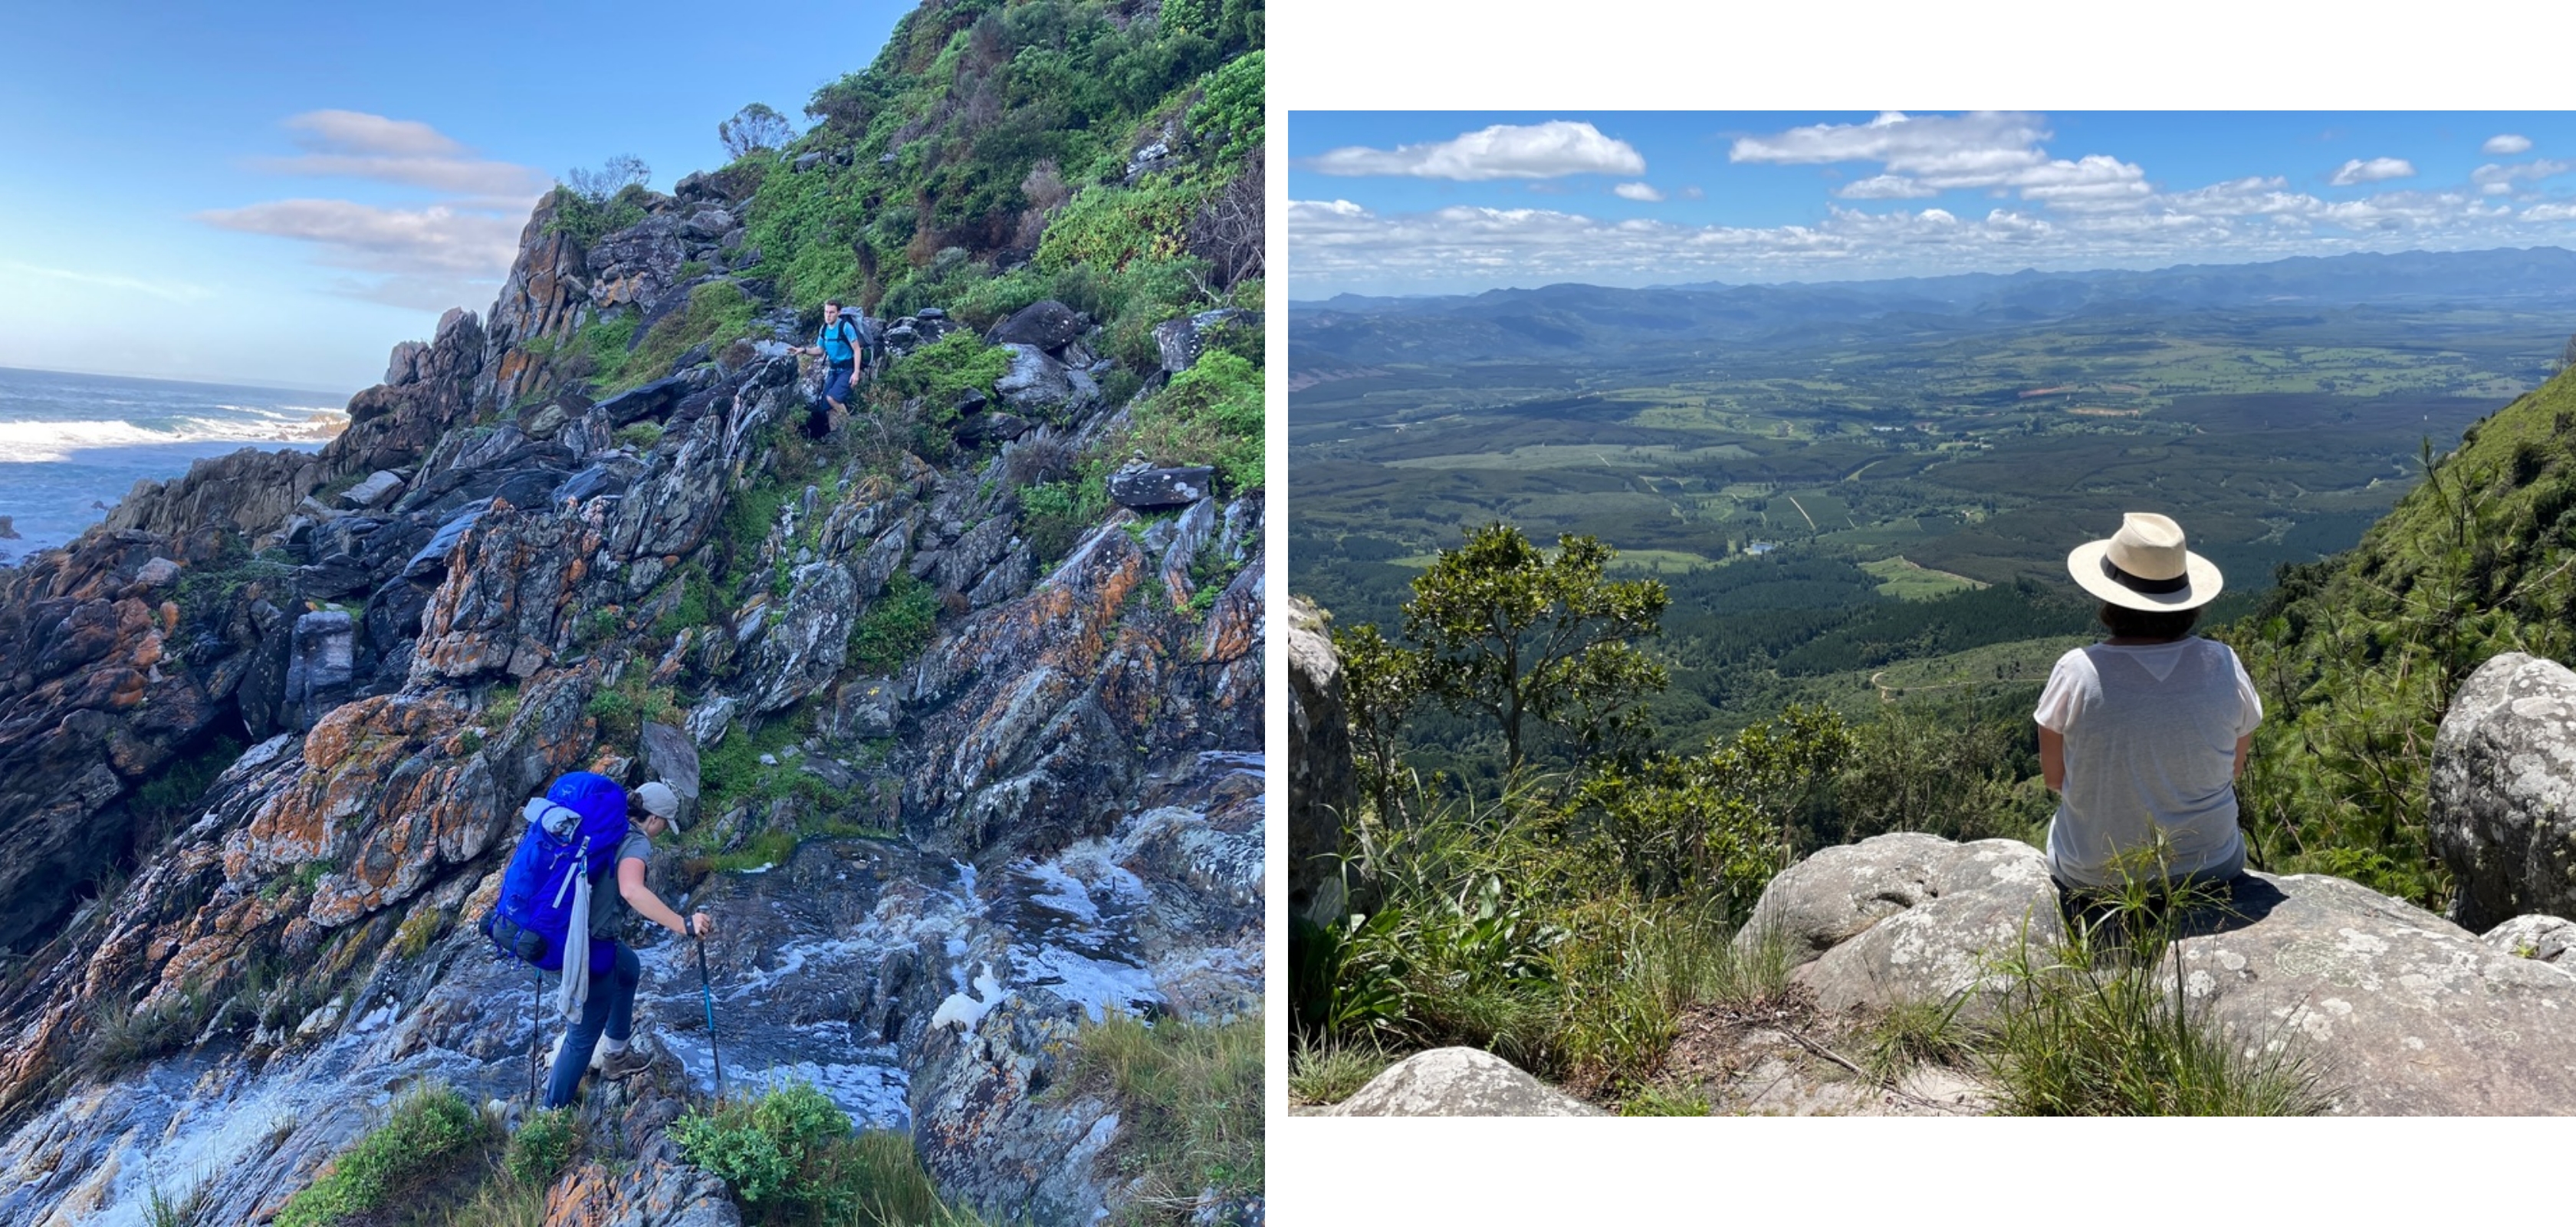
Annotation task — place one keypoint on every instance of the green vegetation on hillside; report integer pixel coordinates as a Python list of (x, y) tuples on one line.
[(791, 1158), (2357, 657)]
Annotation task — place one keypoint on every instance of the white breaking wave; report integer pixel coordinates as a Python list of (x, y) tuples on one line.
[(33, 442)]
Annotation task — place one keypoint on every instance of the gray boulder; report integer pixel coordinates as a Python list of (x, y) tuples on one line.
[(1035, 382), (2504, 777), (1048, 325), (671, 756), (1321, 784), (1151, 489), (1459, 1082), (2545, 939), (378, 489), (2399, 1011)]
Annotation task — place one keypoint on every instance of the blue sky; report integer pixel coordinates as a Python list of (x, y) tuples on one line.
[(1447, 202), (279, 193)]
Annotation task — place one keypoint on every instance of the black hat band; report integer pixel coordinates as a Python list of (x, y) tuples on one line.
[(2151, 587)]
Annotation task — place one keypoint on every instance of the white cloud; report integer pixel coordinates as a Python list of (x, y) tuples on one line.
[(433, 240), (2496, 180), (2554, 211), (1503, 151), (2375, 170), (1993, 151), (1885, 187), (442, 253), (2506, 144), (1638, 191), (1693, 192)]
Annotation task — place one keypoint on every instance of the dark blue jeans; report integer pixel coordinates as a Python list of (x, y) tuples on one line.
[(610, 1006)]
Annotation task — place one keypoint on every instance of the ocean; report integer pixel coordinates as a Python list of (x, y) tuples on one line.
[(72, 445)]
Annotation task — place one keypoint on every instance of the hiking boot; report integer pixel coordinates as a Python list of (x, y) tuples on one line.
[(619, 1065)]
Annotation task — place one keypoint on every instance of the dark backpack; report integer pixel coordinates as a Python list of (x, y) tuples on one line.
[(570, 845)]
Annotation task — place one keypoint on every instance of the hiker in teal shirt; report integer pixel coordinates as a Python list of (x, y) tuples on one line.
[(839, 345)]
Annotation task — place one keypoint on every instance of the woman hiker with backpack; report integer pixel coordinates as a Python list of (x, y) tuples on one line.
[(584, 829)]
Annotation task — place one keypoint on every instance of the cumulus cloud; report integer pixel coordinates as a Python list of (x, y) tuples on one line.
[(1929, 155), (1503, 151), (2375, 170), (1638, 191), (2494, 179), (2506, 144)]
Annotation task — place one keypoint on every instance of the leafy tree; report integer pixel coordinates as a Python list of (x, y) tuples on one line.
[(1724, 821), (1512, 633), (754, 128), (1381, 682)]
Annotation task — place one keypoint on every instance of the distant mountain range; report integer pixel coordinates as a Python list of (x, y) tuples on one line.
[(1568, 318)]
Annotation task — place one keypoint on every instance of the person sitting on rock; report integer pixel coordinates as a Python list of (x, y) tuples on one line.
[(2142, 735), (602, 1037), (841, 348)]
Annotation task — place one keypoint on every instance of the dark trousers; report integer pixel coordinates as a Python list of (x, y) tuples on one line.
[(610, 1006)]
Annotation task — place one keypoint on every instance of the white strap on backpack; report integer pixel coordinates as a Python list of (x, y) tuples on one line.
[(573, 990)]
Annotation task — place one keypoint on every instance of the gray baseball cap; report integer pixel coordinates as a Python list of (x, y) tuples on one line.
[(659, 800)]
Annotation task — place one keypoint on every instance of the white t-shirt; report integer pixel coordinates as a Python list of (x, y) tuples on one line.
[(2151, 737)]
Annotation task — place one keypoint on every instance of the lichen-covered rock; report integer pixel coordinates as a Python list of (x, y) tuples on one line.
[(1459, 1082), (2503, 812), (1321, 785), (508, 600), (1967, 907), (2546, 939), (1833, 896), (2399, 1011), (810, 639)]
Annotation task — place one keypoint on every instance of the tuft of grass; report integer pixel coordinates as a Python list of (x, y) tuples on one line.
[(1190, 1096), (1657, 1101), (1331, 1073), (121, 1039), (427, 1129), (1917, 1033), (160, 1209), (2099, 1025)]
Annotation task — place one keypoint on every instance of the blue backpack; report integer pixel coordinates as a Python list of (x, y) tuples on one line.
[(544, 909)]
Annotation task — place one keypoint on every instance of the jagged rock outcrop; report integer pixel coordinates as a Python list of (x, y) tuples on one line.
[(2503, 811), (1321, 785), (2545, 939), (1459, 1082), (2400, 1011)]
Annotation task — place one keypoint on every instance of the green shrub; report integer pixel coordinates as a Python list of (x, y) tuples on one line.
[(545, 1142), (948, 368), (897, 627), (791, 1157), (1107, 228), (1210, 414), (1232, 106), (587, 220), (640, 435), (428, 1128), (717, 314), (1054, 516)]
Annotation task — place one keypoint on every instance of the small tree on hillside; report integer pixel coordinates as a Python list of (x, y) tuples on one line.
[(754, 128), (1517, 635), (1381, 682), (621, 172)]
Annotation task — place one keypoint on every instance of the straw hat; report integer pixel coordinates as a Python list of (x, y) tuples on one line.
[(2144, 566)]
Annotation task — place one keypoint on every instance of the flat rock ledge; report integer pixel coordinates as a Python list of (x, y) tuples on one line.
[(1459, 1082), (2400, 1011)]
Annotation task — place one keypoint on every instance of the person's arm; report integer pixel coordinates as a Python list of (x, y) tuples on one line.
[(2052, 758), (2244, 746), (630, 883)]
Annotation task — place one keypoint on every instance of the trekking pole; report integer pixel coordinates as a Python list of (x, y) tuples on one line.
[(706, 990), (536, 1010)]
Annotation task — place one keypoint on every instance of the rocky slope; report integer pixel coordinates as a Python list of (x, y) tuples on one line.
[(263, 735)]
